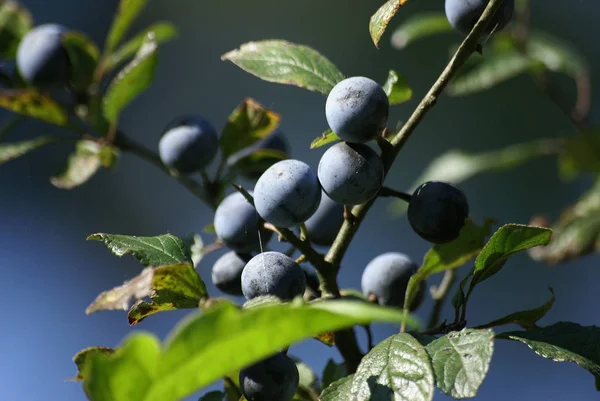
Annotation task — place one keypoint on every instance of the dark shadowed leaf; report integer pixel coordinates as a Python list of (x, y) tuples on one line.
[(83, 55), (15, 22), (127, 12), (332, 373), (506, 241), (563, 342), (461, 360), (397, 89), (12, 150), (495, 68), (326, 138), (397, 368), (450, 256), (119, 298), (226, 338), (163, 250), (258, 161), (213, 396), (82, 356), (248, 123), (526, 319), (132, 80), (31, 103), (162, 31), (339, 390), (576, 233), (83, 163), (581, 155), (173, 287), (286, 63), (380, 20), (420, 26)]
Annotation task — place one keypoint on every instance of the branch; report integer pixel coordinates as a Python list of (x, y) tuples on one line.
[(128, 145), (468, 46), (386, 192)]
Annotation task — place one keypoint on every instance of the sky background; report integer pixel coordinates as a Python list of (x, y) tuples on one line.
[(50, 273)]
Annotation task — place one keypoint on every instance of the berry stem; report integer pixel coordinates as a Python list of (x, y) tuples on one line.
[(386, 192), (439, 295)]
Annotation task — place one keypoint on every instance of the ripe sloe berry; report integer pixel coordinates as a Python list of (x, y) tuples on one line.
[(226, 273), (273, 273), (464, 14), (273, 379)]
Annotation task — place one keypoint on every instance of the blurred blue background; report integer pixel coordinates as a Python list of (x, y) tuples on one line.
[(50, 273)]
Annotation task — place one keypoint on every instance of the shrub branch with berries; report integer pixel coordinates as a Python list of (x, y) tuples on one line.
[(294, 295)]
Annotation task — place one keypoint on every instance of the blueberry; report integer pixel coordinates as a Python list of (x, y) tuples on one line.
[(287, 193), (324, 225), (350, 173), (42, 59), (464, 14), (226, 273), (273, 379), (238, 225), (386, 277), (437, 211), (189, 144), (273, 273), (275, 141), (357, 109)]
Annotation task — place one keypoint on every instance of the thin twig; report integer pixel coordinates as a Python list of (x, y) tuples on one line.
[(386, 192), (439, 295)]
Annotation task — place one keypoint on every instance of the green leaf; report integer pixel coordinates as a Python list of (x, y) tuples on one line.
[(581, 154), (332, 373), (339, 390), (461, 360), (380, 20), (83, 163), (555, 54), (126, 374), (209, 229), (526, 319), (286, 63), (163, 250), (225, 338), (126, 14), (258, 161), (173, 287), (397, 89), (576, 233), (451, 255), (120, 297), (12, 150), (248, 123), (496, 67), (213, 396), (457, 166), (397, 368), (15, 22), (132, 80), (83, 55), (563, 342), (162, 32), (326, 138), (31, 103), (420, 26), (506, 241), (81, 358)]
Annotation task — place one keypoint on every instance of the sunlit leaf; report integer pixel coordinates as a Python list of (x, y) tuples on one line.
[(132, 80), (420, 26), (81, 358), (12, 150), (326, 138), (120, 297), (82, 164), (380, 20), (286, 63), (397, 89), (15, 22), (162, 250), (31, 103), (127, 12)]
